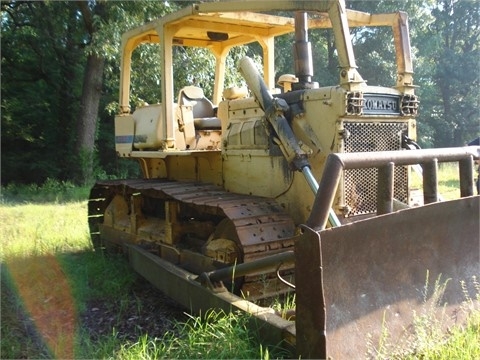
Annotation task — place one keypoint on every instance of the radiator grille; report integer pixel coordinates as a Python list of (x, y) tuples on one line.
[(360, 185)]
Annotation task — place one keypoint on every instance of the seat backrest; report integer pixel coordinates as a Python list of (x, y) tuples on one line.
[(201, 106), (203, 109)]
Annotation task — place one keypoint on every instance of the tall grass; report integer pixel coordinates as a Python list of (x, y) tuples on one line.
[(427, 339)]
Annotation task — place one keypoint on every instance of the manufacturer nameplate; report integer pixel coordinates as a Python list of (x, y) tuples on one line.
[(381, 104)]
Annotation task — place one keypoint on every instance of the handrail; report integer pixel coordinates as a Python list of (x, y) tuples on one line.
[(386, 161)]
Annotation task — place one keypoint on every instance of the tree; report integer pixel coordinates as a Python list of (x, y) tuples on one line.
[(91, 92), (445, 39), (456, 30), (41, 62), (54, 57)]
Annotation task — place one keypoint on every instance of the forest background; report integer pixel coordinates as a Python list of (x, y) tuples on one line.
[(60, 70)]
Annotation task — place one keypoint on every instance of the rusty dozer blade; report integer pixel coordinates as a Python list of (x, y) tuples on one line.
[(358, 282)]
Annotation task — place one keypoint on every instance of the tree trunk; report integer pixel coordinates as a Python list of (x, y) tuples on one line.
[(87, 121)]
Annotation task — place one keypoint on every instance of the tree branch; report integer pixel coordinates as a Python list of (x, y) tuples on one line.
[(87, 16)]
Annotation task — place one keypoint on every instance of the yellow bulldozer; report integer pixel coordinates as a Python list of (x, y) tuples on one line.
[(267, 188)]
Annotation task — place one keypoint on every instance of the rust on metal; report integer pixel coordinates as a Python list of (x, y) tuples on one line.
[(310, 297), (374, 274)]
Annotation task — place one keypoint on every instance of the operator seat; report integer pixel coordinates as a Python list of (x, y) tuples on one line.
[(203, 110)]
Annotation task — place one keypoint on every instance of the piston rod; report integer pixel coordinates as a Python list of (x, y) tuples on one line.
[(265, 264)]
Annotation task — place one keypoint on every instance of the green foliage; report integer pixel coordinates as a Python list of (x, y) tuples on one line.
[(36, 236), (216, 336), (192, 66), (50, 191), (44, 48), (106, 277), (448, 52), (42, 66)]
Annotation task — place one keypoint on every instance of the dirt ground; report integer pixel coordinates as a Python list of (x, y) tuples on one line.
[(144, 310)]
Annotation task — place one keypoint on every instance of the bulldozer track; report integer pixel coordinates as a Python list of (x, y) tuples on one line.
[(259, 226)]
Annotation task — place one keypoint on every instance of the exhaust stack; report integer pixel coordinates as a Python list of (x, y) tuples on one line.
[(302, 50)]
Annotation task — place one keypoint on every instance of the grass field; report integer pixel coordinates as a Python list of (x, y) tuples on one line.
[(50, 275), (47, 265)]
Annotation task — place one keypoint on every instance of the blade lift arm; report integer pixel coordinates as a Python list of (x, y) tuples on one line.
[(275, 109)]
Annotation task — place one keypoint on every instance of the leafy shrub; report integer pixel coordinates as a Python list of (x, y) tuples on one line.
[(50, 191)]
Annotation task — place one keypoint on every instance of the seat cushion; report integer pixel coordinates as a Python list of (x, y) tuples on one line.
[(207, 123)]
